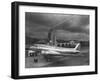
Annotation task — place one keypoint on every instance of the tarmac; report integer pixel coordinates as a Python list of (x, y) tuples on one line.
[(53, 61)]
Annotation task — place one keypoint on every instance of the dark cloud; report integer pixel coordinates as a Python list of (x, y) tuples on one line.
[(39, 24), (62, 34)]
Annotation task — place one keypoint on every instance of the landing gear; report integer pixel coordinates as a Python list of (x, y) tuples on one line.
[(48, 59)]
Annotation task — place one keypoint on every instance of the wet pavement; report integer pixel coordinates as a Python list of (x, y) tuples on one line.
[(55, 61)]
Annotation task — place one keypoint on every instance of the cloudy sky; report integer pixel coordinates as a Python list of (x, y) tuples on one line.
[(67, 26)]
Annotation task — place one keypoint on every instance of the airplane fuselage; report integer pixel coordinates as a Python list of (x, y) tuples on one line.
[(53, 49)]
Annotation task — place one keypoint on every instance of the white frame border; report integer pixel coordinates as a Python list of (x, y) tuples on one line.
[(53, 70)]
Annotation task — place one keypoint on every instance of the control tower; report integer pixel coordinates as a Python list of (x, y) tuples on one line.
[(52, 37)]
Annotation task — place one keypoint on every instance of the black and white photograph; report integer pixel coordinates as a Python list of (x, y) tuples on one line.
[(53, 40)]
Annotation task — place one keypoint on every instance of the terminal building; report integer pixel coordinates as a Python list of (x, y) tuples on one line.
[(53, 40)]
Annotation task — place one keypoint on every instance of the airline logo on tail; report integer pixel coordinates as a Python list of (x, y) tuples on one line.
[(77, 47)]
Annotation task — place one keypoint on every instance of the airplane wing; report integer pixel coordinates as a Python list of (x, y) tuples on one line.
[(62, 54), (56, 53)]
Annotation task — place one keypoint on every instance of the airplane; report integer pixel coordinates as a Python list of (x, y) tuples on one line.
[(54, 50)]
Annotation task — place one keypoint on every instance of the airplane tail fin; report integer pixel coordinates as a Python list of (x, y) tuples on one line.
[(77, 47)]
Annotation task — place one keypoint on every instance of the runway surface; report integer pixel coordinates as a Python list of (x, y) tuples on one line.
[(55, 61)]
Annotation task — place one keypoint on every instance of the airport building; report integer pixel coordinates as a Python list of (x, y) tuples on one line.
[(52, 37), (53, 40)]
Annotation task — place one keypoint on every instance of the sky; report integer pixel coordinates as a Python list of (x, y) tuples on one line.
[(66, 26)]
